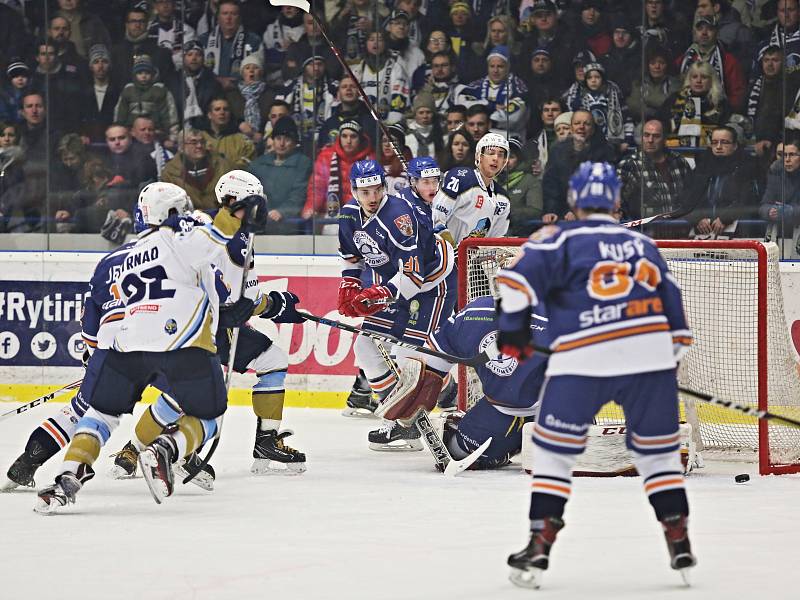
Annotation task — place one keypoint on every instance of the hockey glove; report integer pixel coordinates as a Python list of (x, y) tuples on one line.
[(514, 334), (255, 211), (236, 314), (372, 300), (282, 308), (349, 288), (85, 358)]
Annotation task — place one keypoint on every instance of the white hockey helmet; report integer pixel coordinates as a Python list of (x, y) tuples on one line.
[(490, 140), (157, 200), (238, 184)]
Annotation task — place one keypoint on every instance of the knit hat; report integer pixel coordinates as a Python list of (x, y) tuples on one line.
[(587, 4), (498, 52), (423, 100), (192, 45), (583, 57), (16, 68), (620, 21), (351, 125), (540, 50), (564, 118), (515, 146), (312, 58), (595, 66), (252, 59), (99, 52), (397, 131), (398, 14), (286, 126), (460, 6), (143, 62), (543, 6)]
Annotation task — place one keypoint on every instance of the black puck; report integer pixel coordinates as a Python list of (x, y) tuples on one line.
[(742, 478)]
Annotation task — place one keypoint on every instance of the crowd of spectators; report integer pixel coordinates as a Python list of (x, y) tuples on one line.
[(695, 101)]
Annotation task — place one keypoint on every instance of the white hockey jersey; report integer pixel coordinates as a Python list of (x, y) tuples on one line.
[(388, 89), (466, 207)]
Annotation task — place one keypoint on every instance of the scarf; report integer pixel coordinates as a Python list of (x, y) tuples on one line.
[(199, 174), (161, 156), (137, 40), (174, 27), (308, 105), (379, 93), (754, 97), (251, 92), (191, 106), (333, 197), (355, 46), (605, 105), (693, 118), (693, 54), (424, 137), (214, 48)]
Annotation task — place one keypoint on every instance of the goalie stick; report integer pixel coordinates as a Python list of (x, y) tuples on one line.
[(39, 401)]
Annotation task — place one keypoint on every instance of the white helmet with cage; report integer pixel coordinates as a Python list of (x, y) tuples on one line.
[(490, 140), (238, 184), (157, 201)]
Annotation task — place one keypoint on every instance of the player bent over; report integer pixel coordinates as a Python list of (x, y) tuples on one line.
[(617, 329), (388, 242), (169, 322)]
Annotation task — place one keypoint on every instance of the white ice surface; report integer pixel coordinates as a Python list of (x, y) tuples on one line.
[(361, 524)]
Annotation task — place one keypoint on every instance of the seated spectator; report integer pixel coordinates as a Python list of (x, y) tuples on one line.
[(384, 79), (735, 36), (279, 35), (284, 173), (329, 185), (277, 109), (397, 29), (477, 123), (347, 107), (653, 178), (195, 86), (724, 187), (228, 44), (765, 104), (250, 100), (12, 181), (396, 177), (86, 29), (500, 31), (424, 137), (462, 33), (103, 205), (65, 85), (591, 30), (417, 23), (130, 165), (169, 30), (223, 136), (649, 94), (135, 42), (543, 84), (655, 28), (780, 205), (38, 140), (436, 42), (442, 83), (312, 42), (624, 61), (18, 76), (456, 118), (585, 143), (143, 132), (145, 96), (562, 126), (65, 181), (699, 107), (351, 24), (549, 31), (706, 48), (786, 34), (459, 151), (524, 191), (58, 32), (98, 112), (196, 169)]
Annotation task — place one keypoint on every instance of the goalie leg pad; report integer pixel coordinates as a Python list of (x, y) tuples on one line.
[(418, 389)]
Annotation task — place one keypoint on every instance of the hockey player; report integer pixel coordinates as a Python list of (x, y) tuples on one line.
[(471, 203), (617, 329), (385, 241), (255, 351)]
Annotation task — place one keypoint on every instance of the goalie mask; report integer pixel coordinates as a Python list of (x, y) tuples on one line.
[(157, 201), (425, 177), (237, 184), (368, 183), (594, 186)]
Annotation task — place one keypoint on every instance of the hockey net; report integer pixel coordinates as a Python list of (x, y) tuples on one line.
[(742, 350)]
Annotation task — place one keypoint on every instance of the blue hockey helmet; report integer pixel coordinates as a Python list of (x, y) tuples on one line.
[(365, 173), (422, 167), (594, 185)]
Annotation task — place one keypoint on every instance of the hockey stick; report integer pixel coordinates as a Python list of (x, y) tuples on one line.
[(305, 6), (40, 401), (248, 257), (742, 408)]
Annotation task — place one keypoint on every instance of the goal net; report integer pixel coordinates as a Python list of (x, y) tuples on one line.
[(742, 350)]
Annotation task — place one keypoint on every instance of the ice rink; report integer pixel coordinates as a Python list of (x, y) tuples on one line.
[(361, 524)]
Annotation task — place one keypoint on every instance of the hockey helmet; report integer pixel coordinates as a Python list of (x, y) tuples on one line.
[(157, 201), (238, 184), (422, 167), (490, 140), (594, 185), (365, 173)]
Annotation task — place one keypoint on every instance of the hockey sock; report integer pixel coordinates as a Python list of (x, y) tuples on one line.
[(383, 382), (192, 433), (552, 484), (268, 398), (153, 421), (374, 365), (56, 432), (91, 432), (662, 475)]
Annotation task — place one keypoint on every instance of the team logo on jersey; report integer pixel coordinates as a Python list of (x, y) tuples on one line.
[(369, 249), (171, 327), (479, 201), (502, 366), (481, 229), (405, 225), (462, 172)]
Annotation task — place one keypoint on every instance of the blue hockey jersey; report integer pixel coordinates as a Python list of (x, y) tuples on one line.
[(613, 305), (510, 386), (396, 244), (413, 199)]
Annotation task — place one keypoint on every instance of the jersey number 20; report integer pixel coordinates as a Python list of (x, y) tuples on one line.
[(611, 280)]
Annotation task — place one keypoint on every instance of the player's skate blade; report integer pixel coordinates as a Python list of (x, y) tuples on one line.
[(272, 456), (55, 498), (155, 461), (204, 479), (392, 437), (265, 466), (454, 467), (530, 577)]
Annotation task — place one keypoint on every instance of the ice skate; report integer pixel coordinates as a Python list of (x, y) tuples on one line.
[(56, 497), (528, 565), (360, 402), (273, 457), (125, 462), (392, 437), (155, 462), (680, 551), (204, 479), (20, 474)]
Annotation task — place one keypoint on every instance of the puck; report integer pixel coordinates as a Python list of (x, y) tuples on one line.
[(742, 478)]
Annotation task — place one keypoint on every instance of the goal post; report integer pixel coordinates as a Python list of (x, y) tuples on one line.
[(742, 349)]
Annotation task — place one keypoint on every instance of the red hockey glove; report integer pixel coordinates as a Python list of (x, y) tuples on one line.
[(349, 288), (372, 300)]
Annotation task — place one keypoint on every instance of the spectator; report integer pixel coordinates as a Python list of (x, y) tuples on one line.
[(98, 111), (548, 32), (136, 42), (195, 86), (384, 79), (437, 41), (723, 187), (442, 82), (591, 31), (542, 84), (563, 126), (287, 29), (649, 94), (222, 136), (85, 29), (477, 123), (65, 88), (348, 107), (416, 24), (781, 203), (91, 203), (312, 42), (250, 100), (524, 191), (169, 31), (207, 20), (654, 29), (352, 23), (765, 104), (396, 178), (424, 137), (786, 35), (277, 109), (329, 186), (699, 107), (64, 182), (145, 96), (143, 132), (736, 38), (397, 28), (310, 96), (459, 151), (585, 143), (131, 167), (18, 75), (623, 62), (538, 148), (284, 173), (227, 45), (462, 33), (38, 141), (456, 118), (12, 174), (196, 169), (499, 32), (653, 178), (58, 33)]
